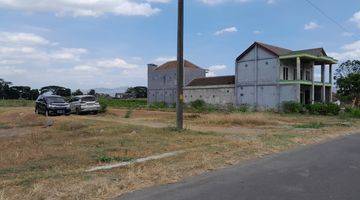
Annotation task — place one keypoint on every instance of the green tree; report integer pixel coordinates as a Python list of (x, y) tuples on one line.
[(92, 92), (347, 77), (56, 90), (4, 88), (138, 91), (77, 92)]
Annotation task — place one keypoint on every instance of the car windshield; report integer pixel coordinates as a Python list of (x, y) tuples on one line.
[(55, 100), (88, 99)]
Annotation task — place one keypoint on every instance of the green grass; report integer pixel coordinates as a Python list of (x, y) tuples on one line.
[(16, 103), (124, 103), (312, 125)]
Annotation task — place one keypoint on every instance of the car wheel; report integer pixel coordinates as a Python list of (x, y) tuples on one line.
[(95, 112), (46, 113), (36, 111), (78, 112)]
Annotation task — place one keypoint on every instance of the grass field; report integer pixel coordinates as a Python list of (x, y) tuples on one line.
[(38, 162), (16, 103)]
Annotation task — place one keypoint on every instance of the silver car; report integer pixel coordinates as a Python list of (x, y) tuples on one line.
[(84, 104)]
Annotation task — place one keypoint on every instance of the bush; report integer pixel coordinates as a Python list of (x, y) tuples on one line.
[(353, 112), (128, 113), (292, 107), (198, 104), (323, 109), (158, 105), (103, 107)]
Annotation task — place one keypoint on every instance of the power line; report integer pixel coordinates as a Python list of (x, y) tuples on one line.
[(327, 16)]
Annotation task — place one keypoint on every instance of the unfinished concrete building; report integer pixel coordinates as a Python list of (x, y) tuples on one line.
[(267, 75), (162, 80)]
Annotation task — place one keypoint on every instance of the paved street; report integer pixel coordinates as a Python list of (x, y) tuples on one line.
[(322, 172)]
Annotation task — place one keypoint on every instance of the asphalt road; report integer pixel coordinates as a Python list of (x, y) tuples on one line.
[(326, 171)]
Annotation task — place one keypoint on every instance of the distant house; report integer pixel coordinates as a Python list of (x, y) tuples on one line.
[(162, 80), (265, 77), (213, 90), (125, 96)]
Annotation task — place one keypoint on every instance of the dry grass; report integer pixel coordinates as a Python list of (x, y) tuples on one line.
[(49, 163)]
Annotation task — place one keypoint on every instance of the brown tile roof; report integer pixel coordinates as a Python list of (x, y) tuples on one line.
[(173, 64), (217, 80), (279, 51), (315, 52)]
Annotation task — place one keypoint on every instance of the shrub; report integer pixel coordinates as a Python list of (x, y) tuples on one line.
[(198, 104), (128, 113), (158, 105), (292, 107), (323, 109), (103, 107), (353, 112)]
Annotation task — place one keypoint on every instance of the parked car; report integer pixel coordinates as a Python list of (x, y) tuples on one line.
[(51, 105), (84, 104)]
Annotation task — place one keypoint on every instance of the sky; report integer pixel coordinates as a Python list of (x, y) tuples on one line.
[(108, 43)]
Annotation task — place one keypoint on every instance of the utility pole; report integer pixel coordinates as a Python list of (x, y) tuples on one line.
[(180, 67)]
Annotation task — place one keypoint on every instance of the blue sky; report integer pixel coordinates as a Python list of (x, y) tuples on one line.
[(107, 43)]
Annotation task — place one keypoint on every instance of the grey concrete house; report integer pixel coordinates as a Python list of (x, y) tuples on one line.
[(213, 90), (267, 75), (162, 80)]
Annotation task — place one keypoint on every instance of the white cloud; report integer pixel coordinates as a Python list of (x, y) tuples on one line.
[(163, 59), (349, 52), (68, 54), (311, 26), (212, 70), (257, 32), (86, 68), (115, 63), (226, 30), (214, 2), (217, 67), (83, 8), (356, 18), (22, 38), (10, 70)]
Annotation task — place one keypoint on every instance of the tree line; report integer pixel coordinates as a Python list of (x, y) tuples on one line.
[(8, 91)]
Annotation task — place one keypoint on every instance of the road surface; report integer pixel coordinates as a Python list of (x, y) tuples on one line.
[(326, 171)]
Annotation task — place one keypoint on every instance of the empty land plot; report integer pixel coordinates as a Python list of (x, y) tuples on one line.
[(49, 162)]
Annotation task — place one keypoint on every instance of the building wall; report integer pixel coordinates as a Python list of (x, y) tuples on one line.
[(162, 83), (215, 95), (257, 79)]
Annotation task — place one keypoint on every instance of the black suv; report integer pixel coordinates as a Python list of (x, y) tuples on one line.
[(52, 105)]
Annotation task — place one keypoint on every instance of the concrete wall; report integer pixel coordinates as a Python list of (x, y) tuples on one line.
[(162, 83), (215, 95), (257, 79)]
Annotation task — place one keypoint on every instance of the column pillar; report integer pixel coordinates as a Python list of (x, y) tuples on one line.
[(298, 68), (298, 71), (323, 98), (312, 91), (331, 81)]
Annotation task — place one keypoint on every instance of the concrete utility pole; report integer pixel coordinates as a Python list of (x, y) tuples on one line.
[(180, 67)]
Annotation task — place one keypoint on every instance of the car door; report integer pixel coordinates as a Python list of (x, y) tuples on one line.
[(41, 105)]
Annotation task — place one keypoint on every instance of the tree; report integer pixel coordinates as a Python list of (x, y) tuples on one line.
[(20, 92), (77, 92), (92, 92), (346, 68), (139, 91), (56, 90), (348, 80), (4, 88), (34, 93)]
